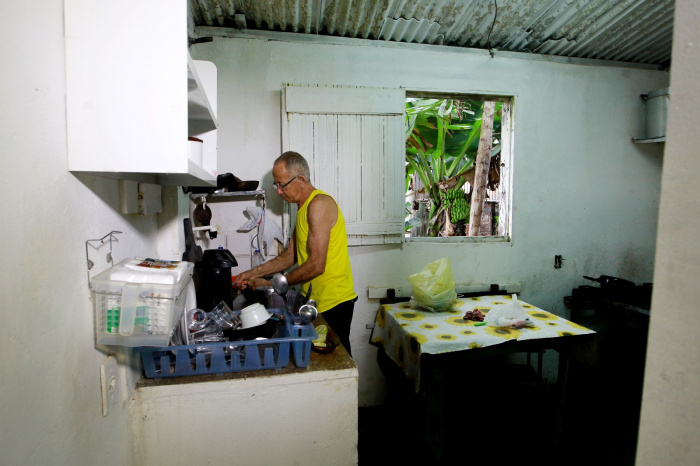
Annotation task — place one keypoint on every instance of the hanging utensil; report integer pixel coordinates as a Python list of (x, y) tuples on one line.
[(202, 214)]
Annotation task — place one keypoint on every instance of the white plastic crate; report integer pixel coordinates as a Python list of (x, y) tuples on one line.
[(139, 301)]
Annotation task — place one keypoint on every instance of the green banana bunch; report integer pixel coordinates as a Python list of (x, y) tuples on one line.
[(459, 210), (450, 195)]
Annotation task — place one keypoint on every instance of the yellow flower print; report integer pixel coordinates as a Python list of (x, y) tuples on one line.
[(566, 334), (508, 297), (409, 316), (475, 298), (507, 333), (405, 306), (414, 342), (378, 340), (453, 311), (542, 315), (458, 321), (400, 356), (428, 326), (381, 315), (577, 326), (552, 324), (458, 303), (528, 306), (390, 334), (467, 332), (446, 337), (498, 302), (419, 337), (404, 324), (474, 345)]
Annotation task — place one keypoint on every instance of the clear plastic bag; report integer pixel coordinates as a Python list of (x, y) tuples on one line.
[(434, 286)]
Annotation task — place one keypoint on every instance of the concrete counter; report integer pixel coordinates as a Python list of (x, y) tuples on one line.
[(291, 416)]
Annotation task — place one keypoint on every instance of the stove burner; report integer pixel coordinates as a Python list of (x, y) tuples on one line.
[(612, 293)]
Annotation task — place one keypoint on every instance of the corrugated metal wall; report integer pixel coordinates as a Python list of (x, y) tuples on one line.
[(637, 31)]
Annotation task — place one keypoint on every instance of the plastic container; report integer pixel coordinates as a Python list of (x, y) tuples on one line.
[(657, 112), (139, 301), (256, 259), (232, 356), (196, 150)]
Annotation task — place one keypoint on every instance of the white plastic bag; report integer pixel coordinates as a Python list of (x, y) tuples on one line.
[(268, 232), (509, 315), (434, 286)]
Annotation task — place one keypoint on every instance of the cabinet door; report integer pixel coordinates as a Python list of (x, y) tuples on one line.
[(127, 88)]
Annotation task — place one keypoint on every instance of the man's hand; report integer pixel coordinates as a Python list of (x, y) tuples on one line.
[(248, 279), (241, 281)]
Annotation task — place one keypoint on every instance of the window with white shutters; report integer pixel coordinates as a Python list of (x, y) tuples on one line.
[(353, 139)]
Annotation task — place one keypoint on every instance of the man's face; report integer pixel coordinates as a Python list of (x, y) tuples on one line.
[(286, 184)]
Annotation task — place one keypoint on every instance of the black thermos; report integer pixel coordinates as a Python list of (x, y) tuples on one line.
[(215, 279)]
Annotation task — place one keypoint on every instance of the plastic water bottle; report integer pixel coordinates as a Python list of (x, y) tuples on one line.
[(256, 259)]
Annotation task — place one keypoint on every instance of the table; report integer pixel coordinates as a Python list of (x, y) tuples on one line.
[(426, 345), (406, 332)]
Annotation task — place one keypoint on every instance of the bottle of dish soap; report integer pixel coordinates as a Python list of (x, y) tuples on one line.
[(256, 259)]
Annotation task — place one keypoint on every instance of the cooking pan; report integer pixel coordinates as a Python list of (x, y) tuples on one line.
[(606, 281)]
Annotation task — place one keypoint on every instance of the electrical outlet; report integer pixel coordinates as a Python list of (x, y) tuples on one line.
[(109, 376)]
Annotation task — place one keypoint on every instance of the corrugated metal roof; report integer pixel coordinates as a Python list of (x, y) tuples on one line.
[(635, 31)]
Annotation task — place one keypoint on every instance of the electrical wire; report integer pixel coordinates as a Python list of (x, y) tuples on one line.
[(495, 15)]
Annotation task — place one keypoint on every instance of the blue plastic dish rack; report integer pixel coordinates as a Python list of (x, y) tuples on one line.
[(231, 356)]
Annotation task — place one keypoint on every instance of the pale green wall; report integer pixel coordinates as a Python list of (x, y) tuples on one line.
[(582, 189)]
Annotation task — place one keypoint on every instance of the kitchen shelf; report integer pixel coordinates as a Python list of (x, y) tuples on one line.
[(200, 113), (648, 140), (229, 194)]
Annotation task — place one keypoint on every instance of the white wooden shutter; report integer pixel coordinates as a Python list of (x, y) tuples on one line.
[(354, 141)]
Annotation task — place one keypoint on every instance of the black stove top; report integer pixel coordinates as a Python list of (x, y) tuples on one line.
[(611, 293)]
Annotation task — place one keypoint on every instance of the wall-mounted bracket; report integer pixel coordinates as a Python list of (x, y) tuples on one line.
[(108, 237)]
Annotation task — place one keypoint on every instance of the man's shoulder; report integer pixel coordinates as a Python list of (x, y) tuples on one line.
[(322, 198), (322, 204)]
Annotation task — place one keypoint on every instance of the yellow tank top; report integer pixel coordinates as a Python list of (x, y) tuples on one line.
[(335, 285)]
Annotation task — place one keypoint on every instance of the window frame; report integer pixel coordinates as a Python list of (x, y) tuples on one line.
[(507, 156)]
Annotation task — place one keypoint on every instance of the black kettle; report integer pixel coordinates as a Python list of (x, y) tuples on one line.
[(215, 279)]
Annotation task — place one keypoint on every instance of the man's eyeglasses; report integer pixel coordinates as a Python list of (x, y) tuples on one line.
[(282, 186)]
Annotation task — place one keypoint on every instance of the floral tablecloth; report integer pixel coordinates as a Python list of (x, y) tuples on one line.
[(406, 332)]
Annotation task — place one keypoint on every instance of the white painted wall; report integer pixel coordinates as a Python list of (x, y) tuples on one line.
[(581, 188), (670, 418), (304, 418), (49, 375), (51, 407)]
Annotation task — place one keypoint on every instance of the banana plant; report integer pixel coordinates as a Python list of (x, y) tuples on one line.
[(442, 138)]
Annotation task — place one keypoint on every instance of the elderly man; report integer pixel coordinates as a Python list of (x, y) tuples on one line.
[(318, 244)]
